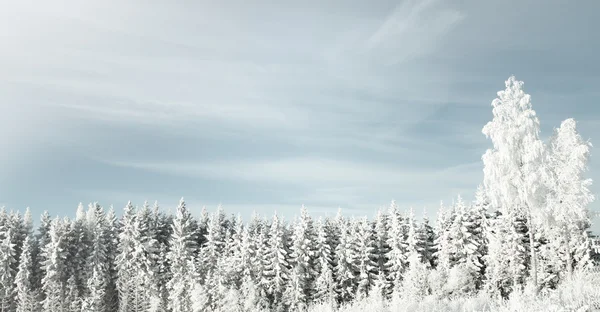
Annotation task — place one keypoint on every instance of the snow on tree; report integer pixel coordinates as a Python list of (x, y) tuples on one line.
[(465, 242), (514, 168), (344, 262), (241, 251), (26, 295), (365, 264), (506, 260), (73, 300), (427, 247), (181, 256), (214, 242), (111, 239), (124, 260), (382, 247), (97, 260), (397, 255), (302, 257), (570, 196), (54, 268), (145, 260), (41, 240), (200, 300), (277, 269), (414, 284), (79, 243), (7, 273), (95, 301), (162, 224), (442, 242), (324, 283)]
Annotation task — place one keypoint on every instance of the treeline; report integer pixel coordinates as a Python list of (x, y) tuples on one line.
[(151, 261)]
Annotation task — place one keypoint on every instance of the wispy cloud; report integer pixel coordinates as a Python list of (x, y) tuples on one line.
[(412, 30), (312, 171)]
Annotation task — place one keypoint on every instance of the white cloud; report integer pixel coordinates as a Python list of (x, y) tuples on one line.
[(412, 30)]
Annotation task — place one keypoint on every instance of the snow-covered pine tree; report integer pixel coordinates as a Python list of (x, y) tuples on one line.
[(344, 262), (19, 231), (94, 299), (7, 273), (570, 195), (240, 253), (380, 233), (124, 261), (427, 247), (277, 269), (73, 300), (163, 224), (181, 256), (303, 258), (214, 243), (26, 295), (414, 284), (464, 245), (325, 283), (514, 168), (78, 244), (111, 239), (365, 265), (259, 262), (506, 260), (54, 268), (42, 238), (397, 255)]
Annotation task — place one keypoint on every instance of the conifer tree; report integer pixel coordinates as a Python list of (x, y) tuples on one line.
[(181, 256), (124, 260), (52, 283), (365, 264), (397, 255), (26, 294), (325, 283), (344, 263), (7, 274), (303, 256), (277, 269)]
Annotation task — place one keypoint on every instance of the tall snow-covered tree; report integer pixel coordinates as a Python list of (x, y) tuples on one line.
[(414, 284), (97, 260), (303, 257), (54, 268), (7, 273), (344, 262), (365, 265), (382, 247), (26, 295), (124, 260), (277, 270), (42, 238), (514, 168), (111, 240), (181, 256), (397, 255), (325, 283), (570, 194)]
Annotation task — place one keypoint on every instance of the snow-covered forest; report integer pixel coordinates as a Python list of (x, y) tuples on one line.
[(523, 243)]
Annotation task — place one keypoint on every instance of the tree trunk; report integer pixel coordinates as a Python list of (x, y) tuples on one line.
[(568, 252), (533, 253)]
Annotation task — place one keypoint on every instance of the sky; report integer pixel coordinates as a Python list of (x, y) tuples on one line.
[(268, 105)]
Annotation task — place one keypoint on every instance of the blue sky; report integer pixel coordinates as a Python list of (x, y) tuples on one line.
[(268, 105)]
